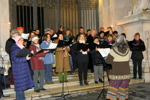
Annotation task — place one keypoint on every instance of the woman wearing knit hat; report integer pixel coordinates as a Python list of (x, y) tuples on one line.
[(20, 68), (37, 64)]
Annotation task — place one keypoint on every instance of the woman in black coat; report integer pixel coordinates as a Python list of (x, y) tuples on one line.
[(108, 44), (82, 58), (90, 40), (109, 41), (98, 60), (137, 46)]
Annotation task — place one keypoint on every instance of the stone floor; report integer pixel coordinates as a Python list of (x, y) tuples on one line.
[(139, 91)]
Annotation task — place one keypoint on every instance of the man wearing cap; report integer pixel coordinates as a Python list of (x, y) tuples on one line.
[(47, 30), (9, 43), (20, 30)]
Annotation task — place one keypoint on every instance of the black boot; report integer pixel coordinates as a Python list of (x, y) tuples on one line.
[(100, 80), (81, 83)]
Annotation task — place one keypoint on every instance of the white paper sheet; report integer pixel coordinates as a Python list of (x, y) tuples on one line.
[(104, 52), (52, 46), (25, 36), (55, 35)]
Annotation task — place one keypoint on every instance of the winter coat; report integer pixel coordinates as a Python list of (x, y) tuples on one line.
[(96, 56), (61, 61), (36, 63), (80, 57), (105, 44), (20, 69), (137, 49), (89, 39), (49, 57), (9, 44)]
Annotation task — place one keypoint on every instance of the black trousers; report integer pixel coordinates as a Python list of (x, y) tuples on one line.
[(83, 68), (137, 63), (1, 89)]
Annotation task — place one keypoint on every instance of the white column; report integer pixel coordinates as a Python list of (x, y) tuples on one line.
[(4, 22)]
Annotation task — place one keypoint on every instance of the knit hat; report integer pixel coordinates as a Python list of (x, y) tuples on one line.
[(19, 28), (34, 38), (17, 38)]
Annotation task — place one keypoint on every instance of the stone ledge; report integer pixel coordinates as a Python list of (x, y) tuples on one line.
[(144, 16)]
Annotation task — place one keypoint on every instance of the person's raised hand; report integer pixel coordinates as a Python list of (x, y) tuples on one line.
[(28, 58)]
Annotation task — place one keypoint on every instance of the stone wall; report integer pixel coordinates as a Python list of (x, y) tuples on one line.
[(114, 10)]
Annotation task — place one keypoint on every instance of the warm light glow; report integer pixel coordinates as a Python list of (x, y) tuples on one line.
[(9, 23)]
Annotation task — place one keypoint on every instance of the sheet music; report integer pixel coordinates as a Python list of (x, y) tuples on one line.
[(25, 36), (52, 46), (104, 52), (55, 35)]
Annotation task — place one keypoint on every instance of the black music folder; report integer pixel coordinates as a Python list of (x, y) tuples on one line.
[(62, 43), (24, 52), (82, 46)]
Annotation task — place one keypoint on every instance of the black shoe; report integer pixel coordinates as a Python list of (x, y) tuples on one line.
[(60, 81), (140, 77), (81, 84), (43, 89), (134, 77), (66, 81), (86, 83), (37, 91), (96, 82), (100, 80)]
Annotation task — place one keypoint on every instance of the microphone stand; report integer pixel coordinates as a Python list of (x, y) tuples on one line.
[(103, 92), (62, 93)]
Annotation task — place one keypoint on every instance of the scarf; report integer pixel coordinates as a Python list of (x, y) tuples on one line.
[(37, 49), (82, 41)]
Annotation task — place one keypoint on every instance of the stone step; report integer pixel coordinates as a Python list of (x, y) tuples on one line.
[(55, 89), (51, 92)]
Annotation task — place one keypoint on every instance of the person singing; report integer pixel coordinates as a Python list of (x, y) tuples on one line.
[(137, 46), (82, 58), (97, 59), (20, 69), (62, 59)]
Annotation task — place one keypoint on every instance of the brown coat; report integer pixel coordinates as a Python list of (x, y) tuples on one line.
[(61, 59)]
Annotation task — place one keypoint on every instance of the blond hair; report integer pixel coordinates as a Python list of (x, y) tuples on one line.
[(80, 35), (93, 30)]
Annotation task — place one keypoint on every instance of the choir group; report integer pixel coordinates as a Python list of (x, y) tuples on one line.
[(73, 53)]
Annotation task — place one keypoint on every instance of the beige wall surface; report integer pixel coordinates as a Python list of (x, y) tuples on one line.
[(4, 22)]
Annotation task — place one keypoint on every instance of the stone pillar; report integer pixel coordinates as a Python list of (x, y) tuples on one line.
[(4, 32), (139, 23), (4, 22)]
